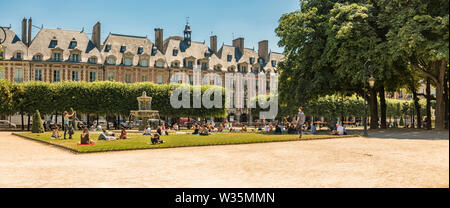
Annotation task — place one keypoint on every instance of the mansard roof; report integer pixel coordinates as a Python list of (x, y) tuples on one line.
[(12, 45), (41, 44)]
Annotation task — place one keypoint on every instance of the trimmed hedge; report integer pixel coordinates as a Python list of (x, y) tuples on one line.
[(102, 98)]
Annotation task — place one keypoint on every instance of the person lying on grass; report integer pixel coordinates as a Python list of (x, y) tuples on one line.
[(105, 136), (85, 137)]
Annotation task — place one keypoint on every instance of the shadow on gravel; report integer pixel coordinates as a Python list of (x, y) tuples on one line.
[(405, 134)]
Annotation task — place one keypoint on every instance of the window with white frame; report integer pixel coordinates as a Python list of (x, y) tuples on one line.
[(92, 60), (159, 79), (111, 76), (75, 75), (2, 74), (144, 62), (111, 60), (127, 61), (144, 78), (92, 76), (38, 74), (56, 76), (128, 78), (18, 75), (57, 56)]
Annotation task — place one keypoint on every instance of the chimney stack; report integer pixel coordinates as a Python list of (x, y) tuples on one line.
[(239, 43), (159, 38), (24, 30), (96, 35), (263, 50), (213, 43), (29, 31)]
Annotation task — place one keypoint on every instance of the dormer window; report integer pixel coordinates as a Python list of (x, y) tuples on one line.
[(261, 61), (207, 54), (204, 65), (111, 60), (37, 58), (154, 50), (18, 56), (53, 43), (175, 52), (123, 49), (252, 60), (140, 50), (72, 44), (92, 60), (144, 62), (57, 56), (229, 57), (274, 63), (107, 48), (127, 61), (75, 58)]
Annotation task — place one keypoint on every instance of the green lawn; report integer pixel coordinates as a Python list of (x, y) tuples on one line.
[(179, 140)]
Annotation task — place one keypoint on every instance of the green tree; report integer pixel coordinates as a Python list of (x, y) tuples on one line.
[(37, 126), (419, 36)]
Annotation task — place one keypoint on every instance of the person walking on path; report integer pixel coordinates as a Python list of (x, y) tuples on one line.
[(300, 121), (67, 124)]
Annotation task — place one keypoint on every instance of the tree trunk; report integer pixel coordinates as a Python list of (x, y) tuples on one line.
[(440, 95), (446, 98), (56, 119), (428, 96), (417, 106), (373, 103), (383, 108), (88, 123), (23, 123), (28, 124)]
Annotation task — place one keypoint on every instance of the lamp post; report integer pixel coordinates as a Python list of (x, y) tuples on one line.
[(371, 83)]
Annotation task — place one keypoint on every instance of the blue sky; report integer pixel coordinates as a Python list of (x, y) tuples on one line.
[(254, 20)]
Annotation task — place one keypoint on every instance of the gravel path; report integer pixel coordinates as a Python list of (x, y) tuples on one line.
[(347, 162)]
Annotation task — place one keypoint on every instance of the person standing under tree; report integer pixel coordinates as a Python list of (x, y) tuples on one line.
[(67, 124), (300, 121)]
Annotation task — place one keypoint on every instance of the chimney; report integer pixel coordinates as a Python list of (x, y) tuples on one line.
[(213, 43), (159, 38), (263, 50), (24, 30), (239, 43), (29, 31), (96, 35)]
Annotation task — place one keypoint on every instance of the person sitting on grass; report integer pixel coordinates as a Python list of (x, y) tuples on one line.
[(123, 134), (196, 129), (313, 129), (85, 137), (204, 131), (291, 129), (155, 139), (147, 130), (104, 136), (278, 129), (55, 133), (339, 130), (244, 128)]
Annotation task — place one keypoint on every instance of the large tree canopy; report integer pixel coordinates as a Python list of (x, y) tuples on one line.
[(328, 44)]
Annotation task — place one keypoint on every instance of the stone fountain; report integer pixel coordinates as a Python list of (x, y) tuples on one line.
[(145, 111)]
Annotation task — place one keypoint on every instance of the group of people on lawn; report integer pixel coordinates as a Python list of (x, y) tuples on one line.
[(206, 129)]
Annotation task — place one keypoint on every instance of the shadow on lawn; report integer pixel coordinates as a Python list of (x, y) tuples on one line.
[(404, 134)]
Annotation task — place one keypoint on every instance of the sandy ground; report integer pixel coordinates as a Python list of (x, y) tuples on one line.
[(347, 162)]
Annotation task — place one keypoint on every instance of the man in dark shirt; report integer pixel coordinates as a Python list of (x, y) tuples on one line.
[(300, 121)]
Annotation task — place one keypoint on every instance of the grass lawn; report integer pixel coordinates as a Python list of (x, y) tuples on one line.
[(172, 140)]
